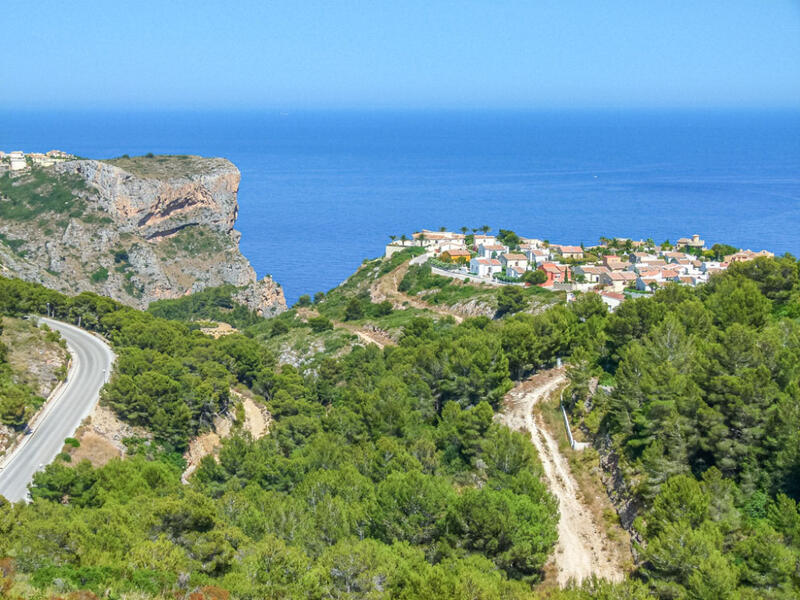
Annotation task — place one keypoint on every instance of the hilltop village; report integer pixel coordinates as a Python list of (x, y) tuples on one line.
[(615, 268), (17, 160)]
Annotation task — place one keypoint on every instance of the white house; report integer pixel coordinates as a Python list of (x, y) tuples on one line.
[(514, 260), (590, 273), (567, 251), (483, 239), (491, 250), (515, 272), (618, 280), (17, 160), (536, 256), (612, 299), (485, 267)]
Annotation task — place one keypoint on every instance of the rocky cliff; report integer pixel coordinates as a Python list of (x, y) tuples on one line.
[(135, 229)]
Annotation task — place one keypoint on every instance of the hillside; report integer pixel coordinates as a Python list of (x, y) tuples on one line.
[(433, 464), (134, 229)]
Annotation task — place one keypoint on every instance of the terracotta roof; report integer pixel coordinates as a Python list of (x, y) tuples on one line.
[(614, 295), (488, 261), (515, 256), (569, 249), (622, 275), (616, 265), (552, 267), (457, 252), (594, 270), (493, 247)]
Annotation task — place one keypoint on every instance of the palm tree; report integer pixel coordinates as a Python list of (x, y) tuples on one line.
[(421, 238), (403, 238), (442, 228), (393, 237), (485, 229), (464, 230)]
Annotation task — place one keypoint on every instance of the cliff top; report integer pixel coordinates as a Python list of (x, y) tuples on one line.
[(170, 166)]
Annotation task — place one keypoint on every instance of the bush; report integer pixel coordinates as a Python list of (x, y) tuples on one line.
[(382, 308), (278, 328), (534, 277), (71, 441), (353, 311), (101, 274), (510, 300), (320, 324)]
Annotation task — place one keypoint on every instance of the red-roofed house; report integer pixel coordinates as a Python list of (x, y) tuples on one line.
[(555, 273)]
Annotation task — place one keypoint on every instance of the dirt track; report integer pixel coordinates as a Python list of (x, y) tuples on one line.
[(385, 288), (581, 549)]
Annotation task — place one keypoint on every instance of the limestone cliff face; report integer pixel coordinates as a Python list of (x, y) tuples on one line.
[(153, 207), (138, 230)]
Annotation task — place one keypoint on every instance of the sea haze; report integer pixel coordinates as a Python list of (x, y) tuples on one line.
[(322, 191)]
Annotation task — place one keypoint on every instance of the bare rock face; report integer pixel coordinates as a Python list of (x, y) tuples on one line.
[(263, 296), (203, 194), (135, 229)]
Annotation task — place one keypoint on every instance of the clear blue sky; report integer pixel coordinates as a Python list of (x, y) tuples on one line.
[(400, 54)]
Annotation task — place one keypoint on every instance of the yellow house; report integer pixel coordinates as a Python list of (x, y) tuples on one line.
[(456, 256)]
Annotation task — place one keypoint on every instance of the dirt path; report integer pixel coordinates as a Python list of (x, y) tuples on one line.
[(581, 549), (386, 289), (369, 335)]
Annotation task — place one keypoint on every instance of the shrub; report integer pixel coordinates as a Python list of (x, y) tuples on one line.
[(279, 328), (101, 274), (353, 311), (320, 324)]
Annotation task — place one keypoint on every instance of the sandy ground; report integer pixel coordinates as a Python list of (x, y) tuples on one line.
[(256, 421), (580, 552), (220, 329), (101, 436)]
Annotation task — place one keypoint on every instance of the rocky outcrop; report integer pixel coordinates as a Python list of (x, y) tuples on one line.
[(263, 296), (136, 229)]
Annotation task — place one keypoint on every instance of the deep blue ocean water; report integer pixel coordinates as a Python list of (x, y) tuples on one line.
[(322, 191)]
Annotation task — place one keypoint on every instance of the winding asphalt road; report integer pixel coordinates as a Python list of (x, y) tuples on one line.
[(92, 360)]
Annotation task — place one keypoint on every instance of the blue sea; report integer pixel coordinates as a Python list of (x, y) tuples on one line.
[(321, 191)]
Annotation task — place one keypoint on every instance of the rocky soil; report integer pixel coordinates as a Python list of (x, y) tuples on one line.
[(140, 230)]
